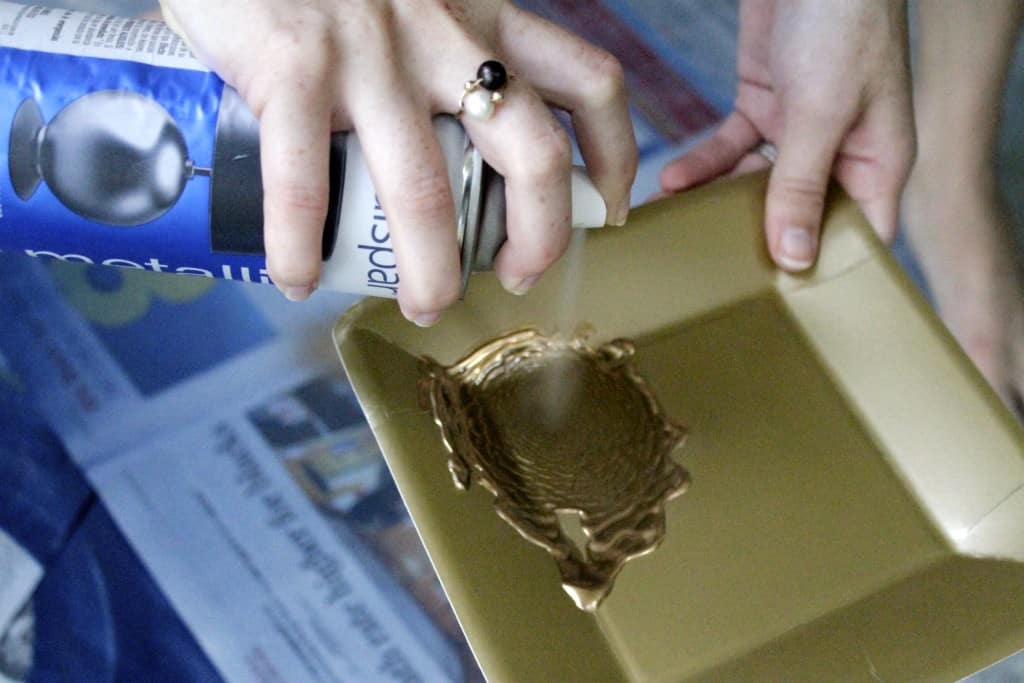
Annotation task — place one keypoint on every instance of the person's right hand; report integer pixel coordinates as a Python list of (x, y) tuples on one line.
[(383, 68)]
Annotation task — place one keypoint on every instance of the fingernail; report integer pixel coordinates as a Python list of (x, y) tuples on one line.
[(522, 286), (619, 216), (298, 292), (427, 319), (796, 249)]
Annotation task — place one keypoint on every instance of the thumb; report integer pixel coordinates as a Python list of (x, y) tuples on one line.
[(796, 188), (170, 17)]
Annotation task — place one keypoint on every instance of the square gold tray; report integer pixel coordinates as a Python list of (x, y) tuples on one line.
[(857, 504)]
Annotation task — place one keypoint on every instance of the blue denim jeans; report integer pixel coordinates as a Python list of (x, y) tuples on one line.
[(98, 615)]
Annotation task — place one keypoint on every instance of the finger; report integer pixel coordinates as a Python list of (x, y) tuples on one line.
[(294, 137), (796, 188), (165, 12), (590, 84), (874, 173), (181, 17), (525, 143), (750, 163), (712, 157), (411, 179)]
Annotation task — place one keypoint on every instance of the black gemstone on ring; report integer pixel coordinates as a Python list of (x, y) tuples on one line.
[(492, 75)]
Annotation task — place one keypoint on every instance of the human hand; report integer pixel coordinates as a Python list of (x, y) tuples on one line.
[(954, 212), (383, 69), (826, 81)]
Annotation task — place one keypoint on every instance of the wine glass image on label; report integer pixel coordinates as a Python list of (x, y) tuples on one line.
[(111, 156)]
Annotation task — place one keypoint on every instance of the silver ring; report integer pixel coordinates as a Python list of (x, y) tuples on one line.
[(767, 150)]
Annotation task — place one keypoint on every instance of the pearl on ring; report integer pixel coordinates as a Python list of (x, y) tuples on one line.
[(480, 96), (479, 103)]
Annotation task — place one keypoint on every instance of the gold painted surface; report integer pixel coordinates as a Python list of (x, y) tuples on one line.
[(795, 510), (550, 427), (851, 468)]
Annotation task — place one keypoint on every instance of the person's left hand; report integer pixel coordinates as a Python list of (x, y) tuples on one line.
[(828, 83)]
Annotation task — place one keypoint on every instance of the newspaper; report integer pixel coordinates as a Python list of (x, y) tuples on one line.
[(214, 421), (19, 575)]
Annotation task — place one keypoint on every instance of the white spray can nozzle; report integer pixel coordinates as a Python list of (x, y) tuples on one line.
[(481, 246), (588, 207)]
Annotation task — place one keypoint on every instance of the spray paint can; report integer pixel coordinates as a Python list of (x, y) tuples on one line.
[(118, 148)]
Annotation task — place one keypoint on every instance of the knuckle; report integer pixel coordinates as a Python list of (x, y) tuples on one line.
[(294, 55), (806, 194), (821, 105), (546, 156), (307, 201), (428, 196), (375, 25), (607, 82), (300, 47)]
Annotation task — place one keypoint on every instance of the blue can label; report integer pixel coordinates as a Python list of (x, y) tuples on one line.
[(109, 137)]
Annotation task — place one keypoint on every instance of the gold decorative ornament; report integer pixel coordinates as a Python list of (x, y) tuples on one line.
[(554, 427)]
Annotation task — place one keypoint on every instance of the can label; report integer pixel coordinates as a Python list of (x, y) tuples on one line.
[(118, 148), (363, 259), (107, 130)]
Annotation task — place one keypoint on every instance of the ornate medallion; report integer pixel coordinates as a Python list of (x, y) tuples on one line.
[(554, 428)]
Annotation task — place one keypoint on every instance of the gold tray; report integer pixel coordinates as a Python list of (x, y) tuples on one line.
[(856, 511)]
